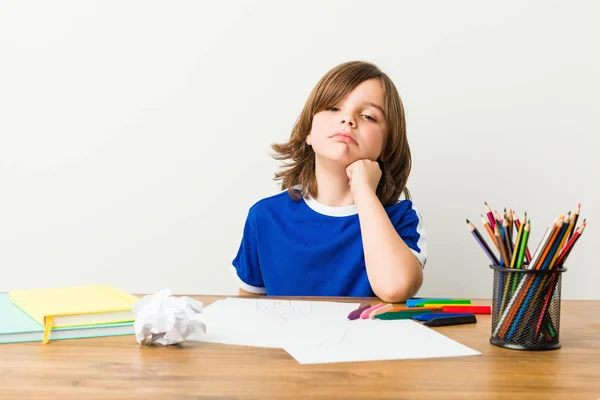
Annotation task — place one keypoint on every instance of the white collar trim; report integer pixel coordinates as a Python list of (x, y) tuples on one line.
[(331, 211)]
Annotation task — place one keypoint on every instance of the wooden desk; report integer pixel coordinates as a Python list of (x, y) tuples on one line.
[(117, 367)]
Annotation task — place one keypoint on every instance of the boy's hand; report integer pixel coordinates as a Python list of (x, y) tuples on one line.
[(364, 176)]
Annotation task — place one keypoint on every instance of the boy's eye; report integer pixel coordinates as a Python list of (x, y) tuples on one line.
[(366, 116)]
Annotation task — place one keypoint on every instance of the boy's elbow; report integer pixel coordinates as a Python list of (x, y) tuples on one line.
[(400, 292), (395, 294)]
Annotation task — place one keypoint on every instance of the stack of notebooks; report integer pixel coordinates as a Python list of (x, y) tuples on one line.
[(46, 314)]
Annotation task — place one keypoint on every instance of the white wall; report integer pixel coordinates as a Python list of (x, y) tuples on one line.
[(135, 135)]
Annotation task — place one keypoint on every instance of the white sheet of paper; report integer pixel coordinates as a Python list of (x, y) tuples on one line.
[(275, 323), (373, 340)]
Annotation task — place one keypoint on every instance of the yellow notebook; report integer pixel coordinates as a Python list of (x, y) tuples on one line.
[(75, 306)]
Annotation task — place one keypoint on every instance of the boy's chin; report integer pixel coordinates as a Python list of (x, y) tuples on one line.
[(341, 160)]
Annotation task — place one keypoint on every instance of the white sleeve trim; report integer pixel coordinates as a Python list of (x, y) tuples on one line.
[(248, 288), (422, 256)]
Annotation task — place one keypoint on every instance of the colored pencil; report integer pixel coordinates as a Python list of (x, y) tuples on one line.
[(539, 261), (542, 283), (538, 251), (550, 253), (518, 224), (524, 300), (502, 247), (576, 214), (525, 284), (552, 285), (538, 283), (497, 216), (482, 243), (490, 215), (518, 294), (523, 245), (488, 228), (507, 242), (563, 240), (533, 284), (555, 245), (513, 278), (517, 245), (507, 218), (513, 217), (520, 255), (505, 260), (565, 252)]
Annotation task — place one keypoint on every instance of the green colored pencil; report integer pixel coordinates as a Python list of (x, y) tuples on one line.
[(523, 245), (517, 244), (521, 255)]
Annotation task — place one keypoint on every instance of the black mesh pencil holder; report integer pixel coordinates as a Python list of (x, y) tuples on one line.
[(526, 308)]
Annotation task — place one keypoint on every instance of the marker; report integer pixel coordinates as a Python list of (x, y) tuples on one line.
[(380, 310), (444, 321), (355, 314), (432, 308), (444, 302), (430, 316), (400, 314), (468, 309), (441, 305), (413, 302), (365, 313)]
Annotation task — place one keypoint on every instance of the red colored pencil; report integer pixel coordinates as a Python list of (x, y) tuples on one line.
[(489, 215), (569, 246)]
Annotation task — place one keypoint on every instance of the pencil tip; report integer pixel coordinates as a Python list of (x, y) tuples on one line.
[(468, 221)]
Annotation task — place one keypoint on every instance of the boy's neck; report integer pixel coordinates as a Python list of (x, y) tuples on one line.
[(333, 185)]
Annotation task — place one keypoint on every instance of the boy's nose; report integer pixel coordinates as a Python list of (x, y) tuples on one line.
[(347, 120)]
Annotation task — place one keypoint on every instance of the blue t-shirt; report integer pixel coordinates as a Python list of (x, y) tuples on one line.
[(304, 248)]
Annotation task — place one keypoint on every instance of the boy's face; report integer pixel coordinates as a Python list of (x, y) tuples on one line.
[(353, 129)]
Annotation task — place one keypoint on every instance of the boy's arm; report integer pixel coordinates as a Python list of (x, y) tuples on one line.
[(394, 271)]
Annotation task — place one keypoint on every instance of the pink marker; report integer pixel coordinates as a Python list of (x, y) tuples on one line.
[(365, 314), (380, 310)]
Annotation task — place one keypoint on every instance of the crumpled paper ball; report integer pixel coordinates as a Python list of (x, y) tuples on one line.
[(164, 319)]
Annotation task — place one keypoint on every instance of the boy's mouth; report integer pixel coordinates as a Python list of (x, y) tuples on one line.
[(344, 137)]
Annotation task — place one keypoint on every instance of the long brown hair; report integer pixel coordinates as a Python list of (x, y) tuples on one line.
[(299, 158)]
